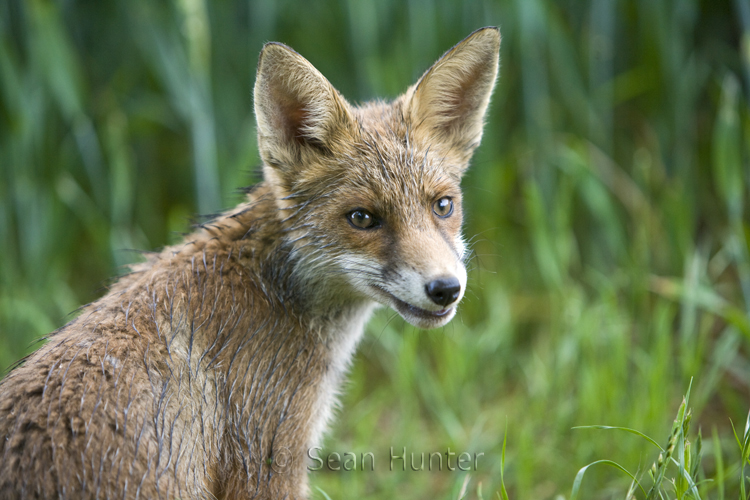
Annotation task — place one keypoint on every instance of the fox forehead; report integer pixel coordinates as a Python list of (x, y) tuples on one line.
[(380, 165), (386, 138)]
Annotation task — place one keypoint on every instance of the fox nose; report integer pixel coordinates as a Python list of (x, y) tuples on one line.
[(443, 291)]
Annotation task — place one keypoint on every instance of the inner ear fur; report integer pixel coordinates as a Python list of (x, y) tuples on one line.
[(296, 108), (449, 102)]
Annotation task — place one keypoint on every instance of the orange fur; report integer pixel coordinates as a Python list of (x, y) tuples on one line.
[(219, 358)]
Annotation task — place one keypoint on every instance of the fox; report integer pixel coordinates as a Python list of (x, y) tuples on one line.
[(210, 369)]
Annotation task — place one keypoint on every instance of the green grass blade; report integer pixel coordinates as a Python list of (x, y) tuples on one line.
[(625, 429), (503, 493), (691, 483), (325, 495), (579, 476)]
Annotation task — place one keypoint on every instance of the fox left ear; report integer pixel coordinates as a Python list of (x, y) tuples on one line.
[(450, 100)]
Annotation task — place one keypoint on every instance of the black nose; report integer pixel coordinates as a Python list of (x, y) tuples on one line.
[(443, 291)]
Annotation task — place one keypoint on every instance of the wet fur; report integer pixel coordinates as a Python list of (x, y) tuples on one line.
[(219, 358)]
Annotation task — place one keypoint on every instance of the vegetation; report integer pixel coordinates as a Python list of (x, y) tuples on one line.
[(609, 200)]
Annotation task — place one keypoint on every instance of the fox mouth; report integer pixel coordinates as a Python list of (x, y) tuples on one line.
[(405, 308), (409, 311)]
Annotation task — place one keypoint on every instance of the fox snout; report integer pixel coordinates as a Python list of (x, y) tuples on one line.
[(443, 291), (427, 293)]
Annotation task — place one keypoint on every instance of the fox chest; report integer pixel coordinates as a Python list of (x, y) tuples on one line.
[(341, 343)]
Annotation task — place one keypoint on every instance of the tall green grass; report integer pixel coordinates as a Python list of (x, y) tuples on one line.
[(609, 202)]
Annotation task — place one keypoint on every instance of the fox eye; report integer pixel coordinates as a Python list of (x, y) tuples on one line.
[(443, 207), (362, 219)]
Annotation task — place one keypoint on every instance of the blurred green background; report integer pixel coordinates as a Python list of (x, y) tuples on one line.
[(608, 209)]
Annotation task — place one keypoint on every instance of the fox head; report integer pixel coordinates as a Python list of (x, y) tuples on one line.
[(370, 195)]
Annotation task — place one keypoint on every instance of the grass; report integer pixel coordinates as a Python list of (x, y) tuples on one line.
[(609, 200)]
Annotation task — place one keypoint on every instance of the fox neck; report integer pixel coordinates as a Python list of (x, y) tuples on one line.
[(289, 266), (325, 305), (313, 283), (300, 297)]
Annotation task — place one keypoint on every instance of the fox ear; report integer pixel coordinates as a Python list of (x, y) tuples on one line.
[(449, 102), (298, 111)]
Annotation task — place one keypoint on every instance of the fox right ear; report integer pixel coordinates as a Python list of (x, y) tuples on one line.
[(450, 100), (297, 110)]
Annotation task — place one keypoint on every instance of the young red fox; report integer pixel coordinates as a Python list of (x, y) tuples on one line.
[(212, 368)]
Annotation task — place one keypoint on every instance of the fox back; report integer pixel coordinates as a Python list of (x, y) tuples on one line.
[(212, 368)]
